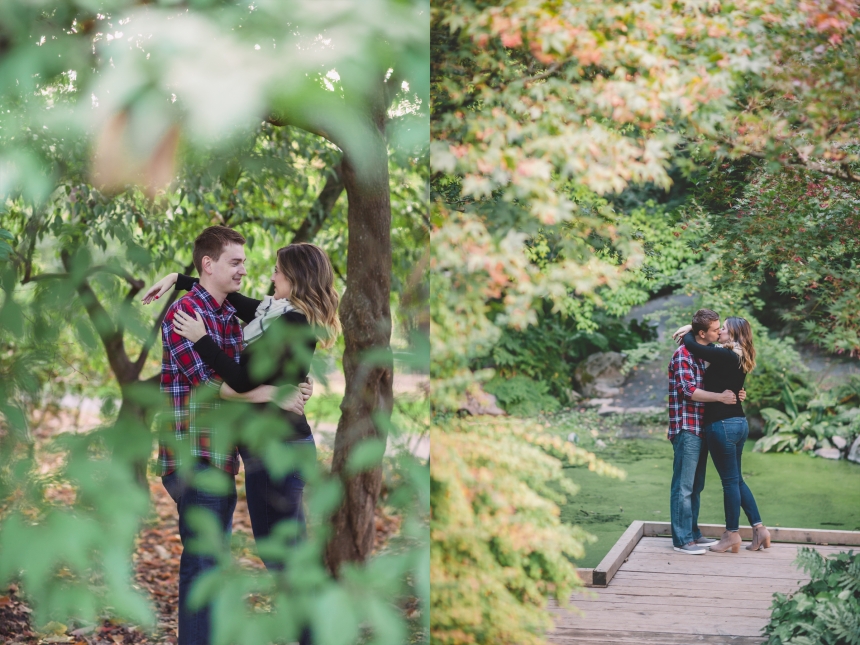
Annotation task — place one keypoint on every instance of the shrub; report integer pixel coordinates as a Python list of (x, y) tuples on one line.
[(549, 351), (826, 610), (498, 547), (522, 396), (812, 418)]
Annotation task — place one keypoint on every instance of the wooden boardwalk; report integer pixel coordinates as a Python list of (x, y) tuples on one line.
[(658, 595)]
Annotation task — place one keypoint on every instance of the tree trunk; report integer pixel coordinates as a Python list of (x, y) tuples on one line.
[(366, 316)]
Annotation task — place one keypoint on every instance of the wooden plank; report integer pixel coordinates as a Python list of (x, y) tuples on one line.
[(593, 607), (730, 602), (673, 623), (606, 637), (777, 533), (718, 562), (700, 595), (604, 571), (783, 551), (665, 544), (587, 576), (693, 581), (717, 571)]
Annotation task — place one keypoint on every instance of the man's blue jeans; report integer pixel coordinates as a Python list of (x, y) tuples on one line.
[(195, 626), (688, 481), (726, 440), (273, 500)]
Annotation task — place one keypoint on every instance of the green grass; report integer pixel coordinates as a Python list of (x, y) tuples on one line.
[(791, 490)]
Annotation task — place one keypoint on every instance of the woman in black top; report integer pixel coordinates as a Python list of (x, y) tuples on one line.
[(301, 314), (726, 429)]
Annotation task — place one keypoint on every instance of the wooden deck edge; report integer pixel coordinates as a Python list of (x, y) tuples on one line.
[(777, 534), (586, 576), (603, 572)]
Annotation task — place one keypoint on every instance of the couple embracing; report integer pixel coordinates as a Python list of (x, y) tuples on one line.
[(205, 347), (706, 388)]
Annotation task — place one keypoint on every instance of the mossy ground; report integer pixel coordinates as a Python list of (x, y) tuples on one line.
[(793, 490)]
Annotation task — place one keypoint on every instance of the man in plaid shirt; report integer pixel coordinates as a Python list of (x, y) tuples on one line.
[(686, 409), (192, 387)]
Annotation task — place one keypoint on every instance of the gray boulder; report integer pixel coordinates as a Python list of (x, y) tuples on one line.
[(839, 442), (854, 453), (480, 402), (600, 375), (828, 453)]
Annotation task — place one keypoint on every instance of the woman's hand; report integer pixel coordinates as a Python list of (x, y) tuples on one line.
[(191, 328), (678, 336), (160, 288), (295, 398)]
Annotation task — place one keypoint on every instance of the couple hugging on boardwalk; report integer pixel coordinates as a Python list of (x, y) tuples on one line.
[(205, 347), (706, 388)]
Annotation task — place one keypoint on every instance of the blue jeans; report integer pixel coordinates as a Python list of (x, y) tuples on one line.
[(688, 481), (271, 501), (726, 444), (195, 626)]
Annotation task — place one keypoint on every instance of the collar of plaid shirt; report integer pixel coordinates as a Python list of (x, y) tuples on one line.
[(182, 372)]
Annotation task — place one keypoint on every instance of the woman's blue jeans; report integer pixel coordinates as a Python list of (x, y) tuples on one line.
[(726, 440)]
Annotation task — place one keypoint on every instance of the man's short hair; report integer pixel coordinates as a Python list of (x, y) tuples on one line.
[(211, 242), (702, 320)]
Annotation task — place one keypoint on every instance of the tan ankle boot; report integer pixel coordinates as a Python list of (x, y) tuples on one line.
[(761, 538), (729, 540)]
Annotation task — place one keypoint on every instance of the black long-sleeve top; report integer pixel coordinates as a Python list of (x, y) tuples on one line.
[(723, 373), (291, 367)]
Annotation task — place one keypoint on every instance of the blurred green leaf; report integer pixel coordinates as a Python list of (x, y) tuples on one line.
[(365, 455)]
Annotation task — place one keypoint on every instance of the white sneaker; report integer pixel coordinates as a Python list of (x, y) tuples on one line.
[(691, 548)]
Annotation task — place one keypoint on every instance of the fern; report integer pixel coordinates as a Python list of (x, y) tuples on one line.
[(842, 621), (826, 610)]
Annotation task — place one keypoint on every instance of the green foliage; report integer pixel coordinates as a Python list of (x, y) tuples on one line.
[(824, 611), (549, 352), (812, 417), (498, 549), (97, 197), (522, 396), (793, 232)]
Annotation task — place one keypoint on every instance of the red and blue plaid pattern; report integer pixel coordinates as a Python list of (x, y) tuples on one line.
[(686, 373), (183, 372)]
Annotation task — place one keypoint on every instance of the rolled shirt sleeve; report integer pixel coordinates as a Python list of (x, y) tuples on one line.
[(685, 377)]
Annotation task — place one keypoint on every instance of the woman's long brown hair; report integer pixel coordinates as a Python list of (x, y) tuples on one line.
[(311, 275), (741, 335)]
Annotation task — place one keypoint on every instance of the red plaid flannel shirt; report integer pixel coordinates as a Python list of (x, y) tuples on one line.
[(686, 373), (183, 371)]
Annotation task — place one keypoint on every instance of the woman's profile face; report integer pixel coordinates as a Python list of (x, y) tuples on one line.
[(725, 337), (283, 287)]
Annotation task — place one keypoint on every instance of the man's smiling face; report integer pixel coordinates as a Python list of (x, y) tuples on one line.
[(227, 271)]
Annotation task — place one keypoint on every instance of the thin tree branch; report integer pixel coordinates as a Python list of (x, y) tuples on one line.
[(322, 206), (110, 335)]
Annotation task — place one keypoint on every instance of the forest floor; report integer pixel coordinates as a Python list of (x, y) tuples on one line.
[(158, 547)]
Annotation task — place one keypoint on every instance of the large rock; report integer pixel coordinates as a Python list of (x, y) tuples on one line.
[(480, 402), (854, 453), (828, 453), (600, 375), (839, 442)]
